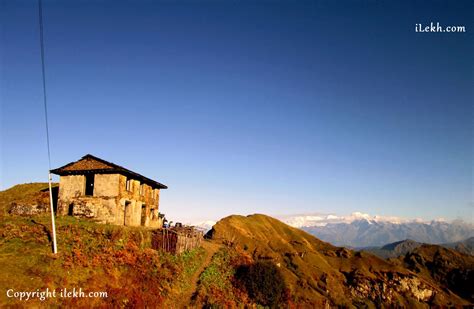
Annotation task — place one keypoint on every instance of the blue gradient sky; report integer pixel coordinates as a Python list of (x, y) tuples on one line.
[(240, 107)]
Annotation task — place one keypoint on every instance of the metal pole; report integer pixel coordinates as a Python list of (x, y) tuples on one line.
[(53, 225)]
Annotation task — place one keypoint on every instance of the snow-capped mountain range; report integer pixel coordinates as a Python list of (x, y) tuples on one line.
[(204, 226), (364, 230), (308, 220)]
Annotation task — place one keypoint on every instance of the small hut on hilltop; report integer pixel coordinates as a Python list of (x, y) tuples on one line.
[(105, 192), (94, 188)]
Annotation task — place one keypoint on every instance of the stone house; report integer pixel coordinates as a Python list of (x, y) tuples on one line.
[(105, 192)]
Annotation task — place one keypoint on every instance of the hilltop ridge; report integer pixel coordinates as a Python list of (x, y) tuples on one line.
[(318, 273)]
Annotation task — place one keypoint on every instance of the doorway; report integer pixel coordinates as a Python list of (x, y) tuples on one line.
[(90, 184)]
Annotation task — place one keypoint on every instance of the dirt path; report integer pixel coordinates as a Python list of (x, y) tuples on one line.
[(184, 299)]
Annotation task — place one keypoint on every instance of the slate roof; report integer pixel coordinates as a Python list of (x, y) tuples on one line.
[(92, 164)]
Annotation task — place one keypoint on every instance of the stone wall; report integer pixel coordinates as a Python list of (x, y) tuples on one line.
[(102, 206), (70, 187), (106, 185), (111, 201), (140, 204)]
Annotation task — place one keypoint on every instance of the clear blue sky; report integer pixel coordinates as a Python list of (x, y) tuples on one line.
[(245, 106)]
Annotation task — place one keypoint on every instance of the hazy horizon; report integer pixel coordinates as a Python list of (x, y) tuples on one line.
[(249, 107)]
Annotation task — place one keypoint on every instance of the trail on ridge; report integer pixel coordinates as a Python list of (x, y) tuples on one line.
[(183, 299)]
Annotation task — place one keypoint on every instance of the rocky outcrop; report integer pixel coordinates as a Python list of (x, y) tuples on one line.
[(387, 286), (35, 204), (448, 267), (29, 209)]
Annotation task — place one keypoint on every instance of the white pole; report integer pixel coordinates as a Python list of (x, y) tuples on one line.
[(55, 245), (53, 226)]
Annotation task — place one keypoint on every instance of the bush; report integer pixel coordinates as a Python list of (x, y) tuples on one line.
[(264, 283)]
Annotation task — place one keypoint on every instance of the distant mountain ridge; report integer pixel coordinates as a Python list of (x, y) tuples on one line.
[(465, 246), (401, 248), (366, 233)]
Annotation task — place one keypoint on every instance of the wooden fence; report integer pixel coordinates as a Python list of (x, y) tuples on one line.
[(176, 240)]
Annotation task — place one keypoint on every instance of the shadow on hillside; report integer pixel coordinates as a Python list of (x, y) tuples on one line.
[(46, 230), (263, 282)]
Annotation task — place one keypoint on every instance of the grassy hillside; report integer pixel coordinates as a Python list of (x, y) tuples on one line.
[(262, 251), (95, 257), (91, 256), (247, 261), (24, 193)]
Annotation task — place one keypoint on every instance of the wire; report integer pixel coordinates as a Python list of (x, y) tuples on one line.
[(40, 9)]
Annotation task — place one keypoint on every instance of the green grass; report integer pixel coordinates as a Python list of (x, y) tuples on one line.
[(189, 262), (22, 192), (215, 289), (218, 273), (96, 257)]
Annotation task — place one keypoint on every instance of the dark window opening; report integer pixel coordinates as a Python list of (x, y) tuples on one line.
[(126, 212), (143, 218), (90, 184)]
